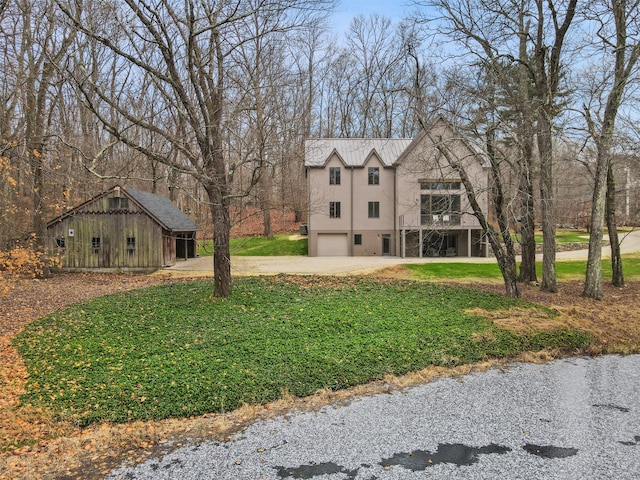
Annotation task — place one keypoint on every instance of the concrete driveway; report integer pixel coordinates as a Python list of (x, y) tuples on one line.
[(302, 265)]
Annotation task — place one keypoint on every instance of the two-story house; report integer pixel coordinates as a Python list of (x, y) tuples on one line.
[(394, 196)]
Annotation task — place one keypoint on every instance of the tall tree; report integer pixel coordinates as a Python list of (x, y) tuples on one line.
[(187, 50), (529, 34), (624, 40), (548, 73)]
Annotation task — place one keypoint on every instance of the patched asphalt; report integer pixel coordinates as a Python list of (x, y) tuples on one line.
[(576, 418)]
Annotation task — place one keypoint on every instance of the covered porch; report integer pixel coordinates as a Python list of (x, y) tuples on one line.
[(451, 242)]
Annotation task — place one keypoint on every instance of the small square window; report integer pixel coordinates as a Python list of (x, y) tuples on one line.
[(95, 243), (334, 175), (357, 239), (374, 176), (334, 209), (131, 243), (374, 209), (60, 242)]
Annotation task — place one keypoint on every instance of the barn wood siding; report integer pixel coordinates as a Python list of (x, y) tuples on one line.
[(112, 228)]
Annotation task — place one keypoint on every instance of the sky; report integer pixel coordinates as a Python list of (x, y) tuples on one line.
[(347, 9)]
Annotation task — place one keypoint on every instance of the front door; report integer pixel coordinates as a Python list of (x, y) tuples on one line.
[(386, 244)]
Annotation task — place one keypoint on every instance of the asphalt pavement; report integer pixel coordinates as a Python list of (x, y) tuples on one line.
[(571, 419)]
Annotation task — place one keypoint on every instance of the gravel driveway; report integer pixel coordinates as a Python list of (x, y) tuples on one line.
[(576, 418)]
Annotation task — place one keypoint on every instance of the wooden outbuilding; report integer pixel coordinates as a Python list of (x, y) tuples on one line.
[(123, 230)]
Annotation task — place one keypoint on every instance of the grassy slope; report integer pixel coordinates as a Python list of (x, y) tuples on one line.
[(485, 271), (278, 245), (178, 351)]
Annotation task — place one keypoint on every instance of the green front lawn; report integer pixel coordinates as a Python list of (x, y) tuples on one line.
[(278, 245), (176, 351), (486, 271)]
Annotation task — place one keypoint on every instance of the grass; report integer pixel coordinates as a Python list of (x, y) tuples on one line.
[(278, 245), (572, 235), (565, 270), (176, 351)]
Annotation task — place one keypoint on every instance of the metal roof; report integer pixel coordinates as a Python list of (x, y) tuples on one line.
[(354, 152), (170, 216)]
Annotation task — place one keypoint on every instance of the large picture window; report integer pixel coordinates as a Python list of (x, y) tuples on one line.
[(443, 209), (334, 175)]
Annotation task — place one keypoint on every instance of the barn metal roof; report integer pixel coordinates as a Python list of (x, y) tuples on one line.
[(170, 216), (354, 152)]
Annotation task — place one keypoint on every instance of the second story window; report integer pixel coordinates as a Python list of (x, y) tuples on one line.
[(334, 209), (374, 176), (374, 209), (334, 175)]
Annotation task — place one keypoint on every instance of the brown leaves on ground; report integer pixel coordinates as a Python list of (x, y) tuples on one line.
[(46, 448), (614, 321)]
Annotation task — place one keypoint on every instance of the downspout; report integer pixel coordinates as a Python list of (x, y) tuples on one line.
[(351, 215), (396, 240), (308, 179)]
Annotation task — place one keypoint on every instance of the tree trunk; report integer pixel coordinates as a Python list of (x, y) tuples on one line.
[(545, 148), (221, 235), (527, 231), (593, 278), (617, 275)]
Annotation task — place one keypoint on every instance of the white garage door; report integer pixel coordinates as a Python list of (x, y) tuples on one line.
[(333, 245)]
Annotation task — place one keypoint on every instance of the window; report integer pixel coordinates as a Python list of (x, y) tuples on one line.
[(334, 209), (357, 239), (60, 243), (374, 209), (443, 209), (131, 243), (334, 175), (95, 243), (117, 203), (439, 185), (374, 176)]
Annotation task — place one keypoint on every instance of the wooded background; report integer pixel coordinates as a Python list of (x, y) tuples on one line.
[(210, 103)]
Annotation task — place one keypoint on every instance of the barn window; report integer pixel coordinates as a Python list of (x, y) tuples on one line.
[(131, 243), (95, 243), (60, 242), (117, 203)]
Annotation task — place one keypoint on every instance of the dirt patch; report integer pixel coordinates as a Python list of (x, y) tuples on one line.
[(54, 449)]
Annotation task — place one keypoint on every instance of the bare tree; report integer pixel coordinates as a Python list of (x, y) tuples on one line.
[(623, 40), (35, 45), (528, 36), (186, 49)]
